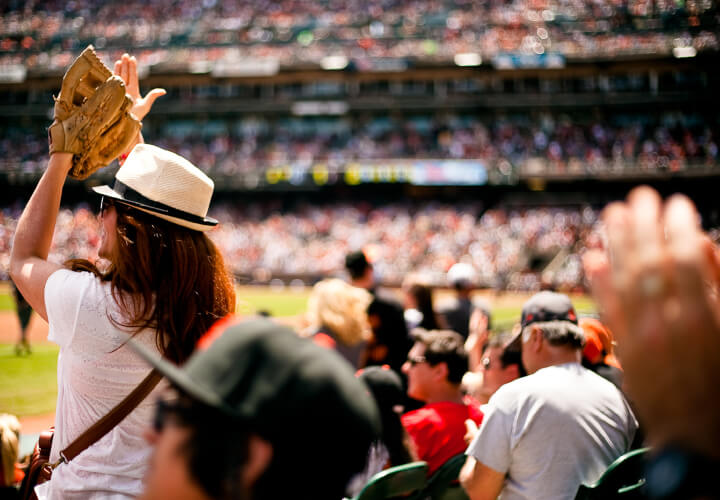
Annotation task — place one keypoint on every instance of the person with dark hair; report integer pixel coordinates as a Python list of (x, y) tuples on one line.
[(390, 341), (394, 446), (560, 426), (419, 310), (500, 363), (435, 367), (386, 387), (258, 413), (162, 282), (456, 316)]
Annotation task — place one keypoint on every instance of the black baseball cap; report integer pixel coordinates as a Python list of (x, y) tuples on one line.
[(302, 398), (548, 306), (543, 306)]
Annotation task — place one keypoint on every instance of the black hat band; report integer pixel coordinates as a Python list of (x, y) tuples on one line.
[(129, 194)]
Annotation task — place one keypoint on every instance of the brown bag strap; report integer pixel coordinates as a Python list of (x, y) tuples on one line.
[(114, 417)]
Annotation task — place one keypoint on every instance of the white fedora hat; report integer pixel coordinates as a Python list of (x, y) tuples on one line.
[(165, 185)]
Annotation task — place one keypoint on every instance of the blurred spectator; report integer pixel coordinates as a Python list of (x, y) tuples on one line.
[(419, 311), (256, 410), (461, 278), (24, 312), (394, 447), (500, 363), (598, 352), (12, 473), (390, 341), (480, 328), (338, 315)]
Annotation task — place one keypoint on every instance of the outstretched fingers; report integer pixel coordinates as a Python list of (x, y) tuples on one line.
[(127, 68)]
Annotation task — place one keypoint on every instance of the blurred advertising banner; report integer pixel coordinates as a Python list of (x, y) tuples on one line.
[(414, 172), (418, 172), (449, 173)]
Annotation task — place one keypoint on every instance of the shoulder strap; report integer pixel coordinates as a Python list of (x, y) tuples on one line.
[(114, 417)]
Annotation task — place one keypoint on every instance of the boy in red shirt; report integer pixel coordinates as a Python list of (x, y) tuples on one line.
[(435, 367)]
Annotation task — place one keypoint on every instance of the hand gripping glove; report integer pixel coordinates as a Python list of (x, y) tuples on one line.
[(92, 116)]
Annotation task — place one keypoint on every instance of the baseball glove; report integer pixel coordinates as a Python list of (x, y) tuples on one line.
[(92, 116)]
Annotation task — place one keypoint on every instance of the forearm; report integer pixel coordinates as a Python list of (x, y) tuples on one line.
[(35, 228)]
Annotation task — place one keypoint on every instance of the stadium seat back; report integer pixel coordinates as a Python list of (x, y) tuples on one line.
[(401, 481), (624, 479), (444, 483)]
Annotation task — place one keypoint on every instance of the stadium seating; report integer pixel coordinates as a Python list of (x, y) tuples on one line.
[(396, 482), (444, 484), (623, 480)]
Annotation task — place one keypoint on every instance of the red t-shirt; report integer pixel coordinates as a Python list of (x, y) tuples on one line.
[(438, 430)]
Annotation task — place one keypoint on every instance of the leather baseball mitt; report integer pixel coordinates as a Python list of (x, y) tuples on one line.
[(92, 116)]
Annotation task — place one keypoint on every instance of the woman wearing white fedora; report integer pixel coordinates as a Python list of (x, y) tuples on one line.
[(164, 283)]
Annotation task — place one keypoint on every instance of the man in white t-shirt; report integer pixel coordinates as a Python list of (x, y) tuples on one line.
[(562, 425)]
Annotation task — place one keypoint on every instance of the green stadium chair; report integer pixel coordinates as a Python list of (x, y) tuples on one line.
[(444, 483), (396, 482), (624, 479)]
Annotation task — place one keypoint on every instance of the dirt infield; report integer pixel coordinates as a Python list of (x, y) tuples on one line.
[(10, 328)]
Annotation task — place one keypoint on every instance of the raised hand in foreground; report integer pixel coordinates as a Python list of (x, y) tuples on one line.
[(656, 285), (126, 68)]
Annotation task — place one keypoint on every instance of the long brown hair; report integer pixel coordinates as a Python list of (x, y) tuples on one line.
[(167, 278)]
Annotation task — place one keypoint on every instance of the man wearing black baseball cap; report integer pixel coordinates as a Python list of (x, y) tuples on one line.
[(259, 413), (562, 425)]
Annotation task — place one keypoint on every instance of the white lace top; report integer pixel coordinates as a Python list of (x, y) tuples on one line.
[(96, 370)]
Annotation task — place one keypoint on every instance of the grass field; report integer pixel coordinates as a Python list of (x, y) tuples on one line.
[(28, 384)]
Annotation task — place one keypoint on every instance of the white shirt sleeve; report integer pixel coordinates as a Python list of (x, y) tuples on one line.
[(493, 442), (64, 292)]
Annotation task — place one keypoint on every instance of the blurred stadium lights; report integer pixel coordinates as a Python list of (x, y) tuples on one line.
[(334, 62), (684, 52), (199, 67), (468, 59), (12, 73), (305, 108)]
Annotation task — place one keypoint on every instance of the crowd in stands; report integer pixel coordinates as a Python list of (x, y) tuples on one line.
[(43, 35), (259, 241), (669, 142)]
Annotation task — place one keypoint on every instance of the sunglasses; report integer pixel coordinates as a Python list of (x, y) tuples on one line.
[(105, 203), (172, 410), (485, 363), (185, 412), (416, 360)]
